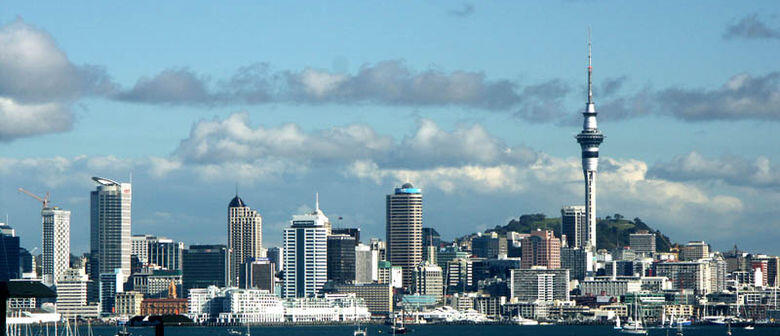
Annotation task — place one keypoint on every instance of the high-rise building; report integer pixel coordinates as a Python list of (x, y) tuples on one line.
[(366, 264), (589, 139), (128, 303), (428, 279), (389, 274), (539, 285), (352, 232), (110, 223), (694, 250), (306, 254), (72, 295), (431, 237), (245, 236), (576, 261), (693, 275), (56, 243), (460, 276), (9, 260), (205, 265), (258, 274), (489, 245), (542, 248), (642, 242), (110, 284), (166, 253), (379, 246), (341, 258), (275, 254), (139, 247), (404, 229), (574, 226)]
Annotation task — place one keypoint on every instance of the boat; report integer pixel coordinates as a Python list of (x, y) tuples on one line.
[(617, 323), (123, 331), (519, 320), (750, 327), (728, 329), (396, 328), (634, 326)]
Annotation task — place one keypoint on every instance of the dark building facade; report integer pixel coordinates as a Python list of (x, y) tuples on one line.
[(9, 259), (258, 274), (431, 237), (352, 232), (341, 258), (489, 246), (204, 265)]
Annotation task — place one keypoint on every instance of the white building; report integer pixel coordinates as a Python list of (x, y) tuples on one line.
[(251, 306), (245, 236), (56, 243), (390, 274), (72, 295), (428, 279), (331, 308), (610, 287), (206, 303), (642, 242), (110, 226), (139, 246), (693, 275), (306, 266)]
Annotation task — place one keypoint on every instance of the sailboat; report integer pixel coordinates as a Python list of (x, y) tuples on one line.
[(398, 329), (358, 331), (679, 329), (617, 323), (728, 328), (634, 326)]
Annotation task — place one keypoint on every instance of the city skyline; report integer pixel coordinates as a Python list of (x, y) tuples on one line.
[(201, 114)]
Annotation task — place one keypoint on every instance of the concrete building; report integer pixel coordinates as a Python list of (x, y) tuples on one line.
[(490, 246), (693, 275), (155, 283), (110, 225), (139, 246), (694, 250), (574, 226), (251, 306), (9, 266), (205, 265), (542, 248), (352, 232), (389, 274), (276, 255), (258, 274), (576, 261), (610, 287), (341, 258), (245, 236), (110, 285), (537, 284), (642, 242), (459, 276), (366, 264), (56, 243), (404, 230), (128, 304), (428, 280), (306, 254), (72, 294), (377, 297)]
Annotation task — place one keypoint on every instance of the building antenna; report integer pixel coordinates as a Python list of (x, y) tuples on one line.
[(590, 71), (316, 202)]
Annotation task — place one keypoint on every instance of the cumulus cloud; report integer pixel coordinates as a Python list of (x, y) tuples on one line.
[(38, 83), (733, 170), (174, 86), (750, 27)]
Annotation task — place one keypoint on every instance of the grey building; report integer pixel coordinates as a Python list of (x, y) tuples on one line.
[(205, 265), (576, 261), (165, 253), (341, 258), (529, 285), (489, 246), (642, 242), (573, 225), (258, 274)]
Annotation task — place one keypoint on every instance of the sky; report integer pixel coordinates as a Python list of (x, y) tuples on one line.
[(475, 102)]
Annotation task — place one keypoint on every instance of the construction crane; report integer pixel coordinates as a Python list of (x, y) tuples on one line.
[(44, 200)]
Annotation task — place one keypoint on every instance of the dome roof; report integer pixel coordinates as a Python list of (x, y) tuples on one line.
[(236, 202), (407, 186)]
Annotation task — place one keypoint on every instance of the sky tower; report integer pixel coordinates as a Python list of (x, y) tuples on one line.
[(589, 139)]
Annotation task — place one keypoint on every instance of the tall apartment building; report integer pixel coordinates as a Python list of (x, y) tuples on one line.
[(404, 230), (245, 236), (56, 243), (693, 275), (306, 254), (428, 279), (341, 258), (110, 224), (546, 285), (574, 226), (205, 265), (541, 248), (642, 242), (694, 250)]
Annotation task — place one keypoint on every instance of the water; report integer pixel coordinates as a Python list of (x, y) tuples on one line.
[(432, 330)]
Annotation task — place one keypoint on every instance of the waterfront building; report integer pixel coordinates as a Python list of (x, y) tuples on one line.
[(642, 242), (245, 236), (341, 258), (366, 264), (206, 303), (128, 304), (428, 279), (610, 286), (110, 225), (330, 308), (251, 306), (589, 139), (693, 275), (55, 258), (542, 248), (172, 305), (538, 284), (378, 297), (404, 230), (258, 274), (9, 266), (389, 274), (205, 265), (694, 250), (305, 254), (490, 246), (72, 295), (574, 226)]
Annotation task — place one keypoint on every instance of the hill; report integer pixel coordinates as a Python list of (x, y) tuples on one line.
[(611, 231)]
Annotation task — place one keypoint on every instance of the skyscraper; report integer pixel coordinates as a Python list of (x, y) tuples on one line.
[(589, 139), (166, 253), (110, 211), (306, 254), (574, 226), (9, 258), (245, 236), (56, 243), (404, 230), (341, 258), (204, 265)]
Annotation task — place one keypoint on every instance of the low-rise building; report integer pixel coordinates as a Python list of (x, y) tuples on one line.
[(128, 303), (378, 297)]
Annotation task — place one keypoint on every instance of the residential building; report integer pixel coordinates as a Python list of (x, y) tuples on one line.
[(609, 286), (538, 284), (72, 295), (341, 258), (642, 242), (428, 280), (205, 265), (404, 230), (693, 275), (694, 250), (574, 226), (245, 236), (56, 243), (110, 225), (306, 254), (542, 248)]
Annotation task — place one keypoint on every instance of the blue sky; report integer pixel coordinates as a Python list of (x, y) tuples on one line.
[(350, 98)]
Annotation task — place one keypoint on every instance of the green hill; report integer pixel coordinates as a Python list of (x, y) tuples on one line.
[(611, 231)]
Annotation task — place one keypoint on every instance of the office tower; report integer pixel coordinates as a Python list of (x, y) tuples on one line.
[(305, 254), (694, 250), (9, 260), (275, 254), (258, 274), (245, 236), (576, 261), (389, 274), (56, 243), (489, 246), (430, 253), (428, 279), (366, 264), (352, 232), (431, 237), (110, 222), (341, 258), (542, 248), (27, 263), (642, 242), (574, 226), (539, 285), (166, 253), (139, 247), (205, 265), (589, 139), (110, 284), (404, 230), (379, 246), (460, 276), (72, 295)]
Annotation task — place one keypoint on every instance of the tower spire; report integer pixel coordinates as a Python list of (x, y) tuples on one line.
[(316, 202), (590, 71)]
